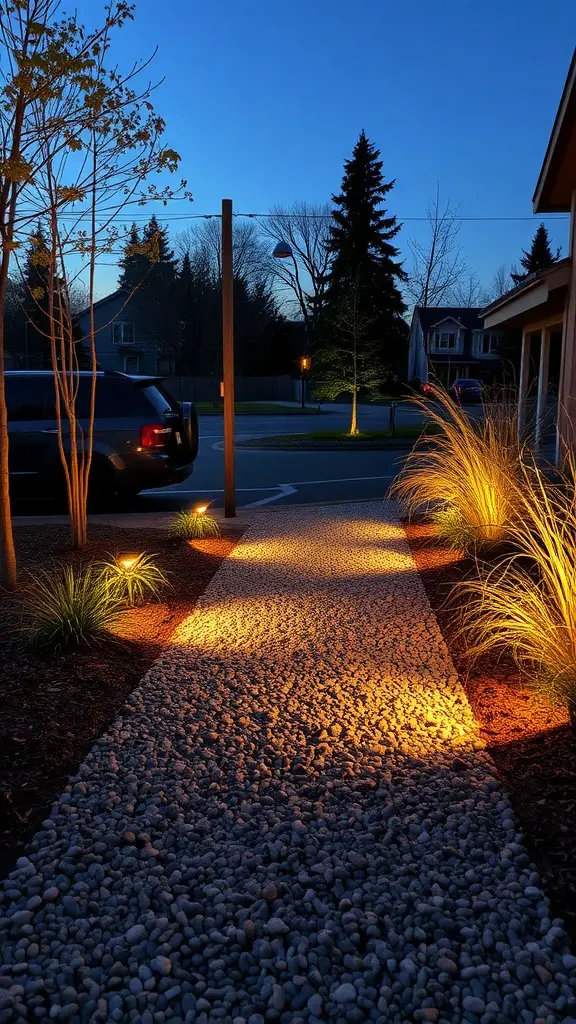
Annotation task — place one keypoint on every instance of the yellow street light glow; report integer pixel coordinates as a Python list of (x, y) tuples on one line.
[(129, 562)]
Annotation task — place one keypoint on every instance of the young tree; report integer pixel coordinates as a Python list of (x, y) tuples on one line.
[(364, 259), (43, 54), (349, 364), (84, 182), (304, 275), (437, 263), (538, 257)]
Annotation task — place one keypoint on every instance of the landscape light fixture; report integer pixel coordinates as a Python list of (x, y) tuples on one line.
[(201, 509), (128, 562)]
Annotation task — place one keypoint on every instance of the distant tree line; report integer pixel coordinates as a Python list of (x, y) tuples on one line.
[(283, 307)]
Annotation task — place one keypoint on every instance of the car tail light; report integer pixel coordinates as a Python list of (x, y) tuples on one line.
[(153, 435)]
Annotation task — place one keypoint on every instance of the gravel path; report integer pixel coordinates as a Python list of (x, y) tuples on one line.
[(294, 820)]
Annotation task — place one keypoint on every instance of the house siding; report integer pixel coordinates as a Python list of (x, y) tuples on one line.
[(446, 364), (111, 355)]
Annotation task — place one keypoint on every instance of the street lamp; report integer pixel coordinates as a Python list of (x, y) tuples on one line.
[(283, 251)]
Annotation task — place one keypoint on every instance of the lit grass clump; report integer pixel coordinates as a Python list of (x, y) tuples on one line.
[(195, 524), (462, 476), (69, 608), (133, 578), (526, 604)]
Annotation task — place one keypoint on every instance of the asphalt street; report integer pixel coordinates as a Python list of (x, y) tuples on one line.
[(284, 477), (275, 477)]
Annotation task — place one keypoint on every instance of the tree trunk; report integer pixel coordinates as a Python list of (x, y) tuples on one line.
[(354, 420), (7, 549)]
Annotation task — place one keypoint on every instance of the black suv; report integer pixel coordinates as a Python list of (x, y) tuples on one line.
[(142, 437)]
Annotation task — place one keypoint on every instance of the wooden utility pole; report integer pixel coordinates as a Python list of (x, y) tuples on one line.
[(228, 358)]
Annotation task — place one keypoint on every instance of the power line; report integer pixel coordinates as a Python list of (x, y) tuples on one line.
[(143, 218)]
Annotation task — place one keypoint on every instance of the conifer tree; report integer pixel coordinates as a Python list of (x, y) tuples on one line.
[(365, 262), (538, 257)]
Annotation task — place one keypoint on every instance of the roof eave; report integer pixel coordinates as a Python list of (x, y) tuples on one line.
[(539, 202)]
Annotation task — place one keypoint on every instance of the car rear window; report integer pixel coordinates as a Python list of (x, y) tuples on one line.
[(33, 398)]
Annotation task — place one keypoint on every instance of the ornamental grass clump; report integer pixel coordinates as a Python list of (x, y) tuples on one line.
[(461, 477), (526, 604), (133, 578), (194, 525), (68, 608)]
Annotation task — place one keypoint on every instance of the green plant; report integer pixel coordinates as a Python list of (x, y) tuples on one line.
[(527, 602), (132, 578), (193, 525), (69, 608), (463, 476)]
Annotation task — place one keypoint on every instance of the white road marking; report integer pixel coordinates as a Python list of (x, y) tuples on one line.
[(343, 480), (285, 490), (209, 490)]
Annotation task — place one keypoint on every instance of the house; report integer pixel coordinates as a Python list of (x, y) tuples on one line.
[(125, 338), (451, 341), (543, 306)]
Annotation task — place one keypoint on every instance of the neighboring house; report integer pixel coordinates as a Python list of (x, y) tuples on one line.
[(450, 341), (123, 339), (543, 306)]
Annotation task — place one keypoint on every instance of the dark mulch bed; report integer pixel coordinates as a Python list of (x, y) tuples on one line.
[(52, 707), (529, 740)]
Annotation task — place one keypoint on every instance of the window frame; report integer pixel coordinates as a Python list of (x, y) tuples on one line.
[(132, 355), (123, 325)]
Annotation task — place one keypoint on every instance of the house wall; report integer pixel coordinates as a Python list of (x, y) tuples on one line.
[(112, 356), (567, 395), (417, 361)]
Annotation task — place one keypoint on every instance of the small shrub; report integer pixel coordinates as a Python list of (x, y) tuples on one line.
[(452, 528), (462, 476), (69, 608), (527, 603), (133, 579), (193, 526)]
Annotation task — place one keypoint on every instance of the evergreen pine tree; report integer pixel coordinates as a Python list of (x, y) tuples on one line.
[(538, 257), (135, 263), (164, 266), (365, 262), (35, 300)]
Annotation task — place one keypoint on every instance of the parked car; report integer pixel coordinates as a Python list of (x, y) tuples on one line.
[(466, 389), (143, 438)]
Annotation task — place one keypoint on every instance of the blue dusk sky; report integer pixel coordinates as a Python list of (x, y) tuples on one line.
[(264, 101)]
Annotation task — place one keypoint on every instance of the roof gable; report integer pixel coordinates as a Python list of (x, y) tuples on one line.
[(467, 317)]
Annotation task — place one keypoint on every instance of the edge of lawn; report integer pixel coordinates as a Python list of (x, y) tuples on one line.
[(329, 440)]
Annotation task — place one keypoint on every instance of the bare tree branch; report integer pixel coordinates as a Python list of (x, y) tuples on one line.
[(437, 263), (304, 276)]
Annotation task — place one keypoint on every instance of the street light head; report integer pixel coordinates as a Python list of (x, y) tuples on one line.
[(282, 251)]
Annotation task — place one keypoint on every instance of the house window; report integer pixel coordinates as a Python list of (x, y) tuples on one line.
[(131, 364), (163, 366), (123, 334), (487, 344), (444, 340)]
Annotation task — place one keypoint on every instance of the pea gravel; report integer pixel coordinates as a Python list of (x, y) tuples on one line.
[(293, 820)]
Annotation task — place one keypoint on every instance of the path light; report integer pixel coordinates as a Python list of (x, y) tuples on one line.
[(201, 509), (129, 562)]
